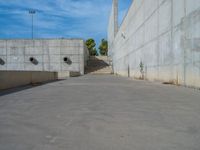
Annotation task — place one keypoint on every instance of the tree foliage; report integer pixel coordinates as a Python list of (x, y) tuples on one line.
[(103, 48), (90, 43)]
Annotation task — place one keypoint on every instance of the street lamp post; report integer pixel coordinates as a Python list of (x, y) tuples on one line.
[(32, 12)]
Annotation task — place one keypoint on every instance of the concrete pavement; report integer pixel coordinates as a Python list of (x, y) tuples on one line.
[(100, 113)]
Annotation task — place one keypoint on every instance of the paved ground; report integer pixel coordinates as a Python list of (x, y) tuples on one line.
[(100, 113)]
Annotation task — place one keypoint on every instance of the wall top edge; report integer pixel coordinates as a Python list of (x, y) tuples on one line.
[(41, 39)]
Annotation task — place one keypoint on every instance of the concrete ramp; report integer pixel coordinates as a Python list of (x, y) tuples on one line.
[(98, 65)]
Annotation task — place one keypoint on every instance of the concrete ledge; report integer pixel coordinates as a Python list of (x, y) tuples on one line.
[(11, 79), (63, 75)]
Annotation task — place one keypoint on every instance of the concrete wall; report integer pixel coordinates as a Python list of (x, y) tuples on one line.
[(113, 25), (15, 55), (165, 36), (10, 79)]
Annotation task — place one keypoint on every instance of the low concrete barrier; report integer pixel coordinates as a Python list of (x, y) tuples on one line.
[(11, 79)]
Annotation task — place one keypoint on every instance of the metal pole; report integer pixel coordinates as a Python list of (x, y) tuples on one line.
[(32, 26), (32, 12)]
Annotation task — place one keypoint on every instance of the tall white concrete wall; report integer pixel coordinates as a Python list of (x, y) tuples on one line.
[(50, 53), (165, 36)]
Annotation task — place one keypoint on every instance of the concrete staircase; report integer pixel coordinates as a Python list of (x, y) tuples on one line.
[(98, 65)]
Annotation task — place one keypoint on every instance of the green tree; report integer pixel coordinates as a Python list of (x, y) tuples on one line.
[(103, 48), (90, 43)]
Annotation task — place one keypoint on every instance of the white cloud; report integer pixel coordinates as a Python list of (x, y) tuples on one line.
[(62, 18)]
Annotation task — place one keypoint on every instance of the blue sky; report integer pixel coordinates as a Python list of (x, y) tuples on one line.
[(57, 18)]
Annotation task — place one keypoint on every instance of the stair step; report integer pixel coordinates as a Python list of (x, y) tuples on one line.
[(98, 73), (101, 72), (98, 65)]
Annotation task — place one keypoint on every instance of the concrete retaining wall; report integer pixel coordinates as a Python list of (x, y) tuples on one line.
[(113, 25), (164, 36), (49, 53), (10, 79)]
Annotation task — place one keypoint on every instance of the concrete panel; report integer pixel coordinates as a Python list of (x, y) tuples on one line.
[(27, 43), (63, 75), (46, 58), (14, 43), (32, 67), (46, 67), (160, 2), (165, 17), (165, 53), (177, 49), (178, 11), (191, 5), (38, 43), (139, 18), (34, 51), (151, 27), (15, 66), (3, 50), (15, 50), (71, 50), (149, 8), (53, 43), (54, 50), (55, 67), (73, 67), (55, 58), (15, 59), (65, 43), (150, 54), (45, 50), (3, 43), (3, 64), (139, 38)]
